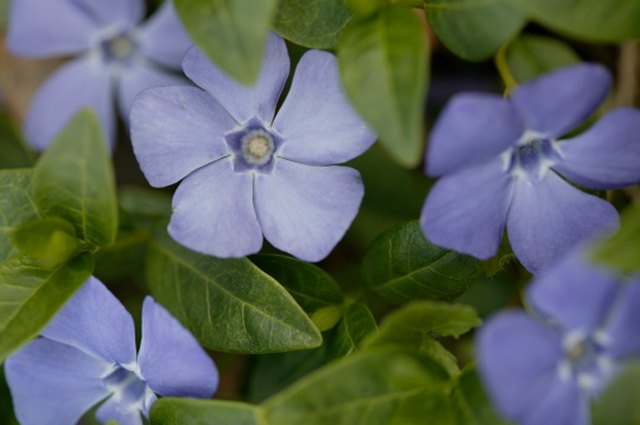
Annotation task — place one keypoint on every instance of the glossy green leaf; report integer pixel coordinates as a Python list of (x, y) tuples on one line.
[(385, 387), (229, 305), (16, 207), (233, 33), (356, 324), (530, 56), (316, 24), (13, 151), (74, 180), (383, 64), (620, 402), (589, 20), (125, 257), (50, 241), (470, 401), (30, 296), (473, 29), (621, 252), (184, 411), (402, 266)]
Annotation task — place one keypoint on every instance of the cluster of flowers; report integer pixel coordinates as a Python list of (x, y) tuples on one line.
[(246, 172)]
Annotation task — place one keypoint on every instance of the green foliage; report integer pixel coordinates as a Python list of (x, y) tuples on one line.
[(621, 251), (74, 180), (315, 24), (31, 296), (530, 56), (620, 402), (16, 206), (473, 29), (233, 33), (183, 411), (13, 151), (589, 20), (355, 326), (470, 402), (50, 241), (402, 266), (229, 305), (383, 64)]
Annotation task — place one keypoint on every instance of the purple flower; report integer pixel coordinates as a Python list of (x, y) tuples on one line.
[(87, 354), (545, 370), (502, 162), (245, 173), (114, 57)]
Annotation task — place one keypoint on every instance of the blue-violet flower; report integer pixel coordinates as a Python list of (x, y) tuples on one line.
[(545, 370), (87, 355), (502, 163), (245, 173), (114, 55)]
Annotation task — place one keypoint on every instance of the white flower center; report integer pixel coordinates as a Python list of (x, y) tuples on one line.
[(257, 147)]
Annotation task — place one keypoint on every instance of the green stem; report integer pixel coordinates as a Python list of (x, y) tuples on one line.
[(510, 82)]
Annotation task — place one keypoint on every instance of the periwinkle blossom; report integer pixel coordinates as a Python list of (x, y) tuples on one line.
[(547, 369), (502, 162), (115, 57), (87, 355), (246, 171)]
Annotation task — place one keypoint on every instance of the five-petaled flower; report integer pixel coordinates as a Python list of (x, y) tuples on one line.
[(245, 173), (502, 162), (114, 57), (546, 370), (87, 354)]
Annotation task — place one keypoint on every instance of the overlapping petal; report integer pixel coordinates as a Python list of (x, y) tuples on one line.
[(466, 211), (95, 322), (213, 212), (549, 217), (78, 84), (171, 361), (54, 384), (305, 210), (607, 155), (123, 14), (189, 134), (558, 102), (316, 120), (622, 325), (472, 129), (163, 38), (240, 101)]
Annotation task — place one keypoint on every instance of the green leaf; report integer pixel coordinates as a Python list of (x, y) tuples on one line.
[(141, 202), (473, 29), (621, 251), (402, 266), (316, 24), (16, 207), (357, 323), (184, 411), (31, 296), (13, 151), (74, 180), (386, 387), (620, 402), (471, 404), (50, 241), (589, 20), (229, 305), (383, 64), (124, 258), (233, 33), (530, 56)]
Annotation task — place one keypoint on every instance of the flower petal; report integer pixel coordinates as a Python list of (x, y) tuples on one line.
[(564, 404), (112, 410), (94, 321), (550, 217), (316, 120), (561, 100), (78, 84), (163, 37), (574, 293), (607, 155), (622, 324), (518, 358), (139, 78), (306, 210), (213, 212), (53, 383), (176, 130), (243, 103), (472, 129), (171, 361), (33, 33), (466, 211)]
